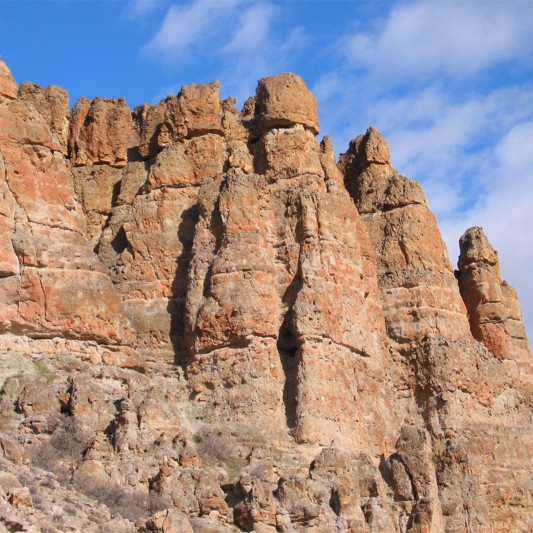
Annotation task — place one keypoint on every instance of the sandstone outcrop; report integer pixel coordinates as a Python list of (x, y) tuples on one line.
[(435, 361), (492, 304), (208, 325), (51, 282)]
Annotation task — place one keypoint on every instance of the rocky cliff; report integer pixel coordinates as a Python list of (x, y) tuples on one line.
[(209, 324)]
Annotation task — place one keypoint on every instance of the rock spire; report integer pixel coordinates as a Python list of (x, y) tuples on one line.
[(209, 324)]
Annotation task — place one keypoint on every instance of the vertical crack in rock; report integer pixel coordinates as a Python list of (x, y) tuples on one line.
[(289, 353), (176, 305)]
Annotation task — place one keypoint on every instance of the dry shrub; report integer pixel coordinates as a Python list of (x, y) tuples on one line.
[(211, 442), (65, 447), (129, 505)]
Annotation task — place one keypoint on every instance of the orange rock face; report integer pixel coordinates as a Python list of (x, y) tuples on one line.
[(51, 283), (8, 86), (100, 132), (435, 360), (223, 316), (284, 100), (282, 289)]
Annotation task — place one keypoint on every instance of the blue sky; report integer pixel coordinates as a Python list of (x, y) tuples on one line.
[(448, 83)]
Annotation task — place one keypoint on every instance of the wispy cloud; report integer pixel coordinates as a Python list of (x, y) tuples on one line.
[(245, 40), (447, 85), (252, 30), (505, 212), (435, 38), (140, 8), (196, 23)]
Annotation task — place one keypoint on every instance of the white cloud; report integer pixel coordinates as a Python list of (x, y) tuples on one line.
[(506, 213), (253, 30), (257, 49), (457, 38), (191, 24), (467, 139), (140, 8)]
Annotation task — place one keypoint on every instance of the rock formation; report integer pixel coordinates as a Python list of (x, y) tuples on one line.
[(207, 324), (492, 304)]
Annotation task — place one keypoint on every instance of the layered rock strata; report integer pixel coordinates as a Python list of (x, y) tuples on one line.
[(208, 325), (282, 300), (416, 278)]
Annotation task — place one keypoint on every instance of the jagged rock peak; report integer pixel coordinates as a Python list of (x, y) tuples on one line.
[(284, 101), (492, 304), (8, 86), (365, 150), (371, 180), (474, 246)]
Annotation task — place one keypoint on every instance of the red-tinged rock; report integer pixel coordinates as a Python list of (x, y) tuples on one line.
[(123, 357), (326, 376), (96, 189), (242, 299), (493, 306), (419, 289), (100, 132), (187, 163), (169, 521), (76, 303), (41, 186), (146, 249), (52, 103), (8, 86), (21, 122), (276, 261), (195, 111), (20, 498), (9, 298), (200, 109), (288, 153), (9, 263)]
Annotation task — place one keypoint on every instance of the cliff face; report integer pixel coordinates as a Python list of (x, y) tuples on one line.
[(232, 329)]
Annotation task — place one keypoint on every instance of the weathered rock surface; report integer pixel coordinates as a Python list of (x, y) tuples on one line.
[(51, 282), (416, 278), (492, 304), (208, 325), (436, 362), (284, 101), (100, 132), (8, 86)]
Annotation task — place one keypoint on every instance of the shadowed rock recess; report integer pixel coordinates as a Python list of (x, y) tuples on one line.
[(208, 324)]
